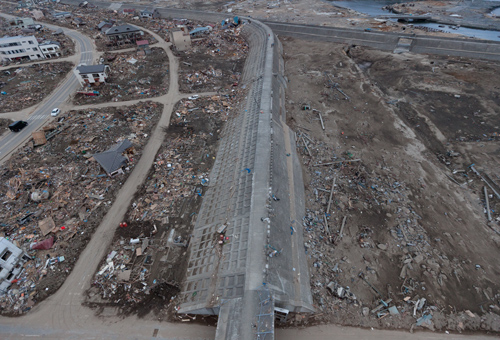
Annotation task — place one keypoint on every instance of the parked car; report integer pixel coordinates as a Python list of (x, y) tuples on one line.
[(18, 126), (55, 112), (193, 97)]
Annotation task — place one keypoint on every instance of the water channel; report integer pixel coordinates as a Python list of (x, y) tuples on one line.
[(374, 8)]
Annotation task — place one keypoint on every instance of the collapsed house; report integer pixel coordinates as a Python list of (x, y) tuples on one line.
[(113, 159), (103, 26), (21, 22)]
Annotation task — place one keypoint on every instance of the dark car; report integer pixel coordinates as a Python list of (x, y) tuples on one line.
[(18, 126)]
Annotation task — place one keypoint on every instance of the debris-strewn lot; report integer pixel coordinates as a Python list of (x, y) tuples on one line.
[(25, 86), (215, 61), (59, 191), (147, 260), (88, 20), (396, 175), (131, 77)]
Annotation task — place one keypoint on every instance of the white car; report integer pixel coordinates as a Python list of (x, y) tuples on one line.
[(193, 97), (55, 112)]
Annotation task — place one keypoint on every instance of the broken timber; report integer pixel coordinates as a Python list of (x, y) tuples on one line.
[(348, 160)]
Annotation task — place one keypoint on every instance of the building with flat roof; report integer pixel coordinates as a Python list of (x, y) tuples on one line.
[(28, 48), (50, 49), (20, 48)]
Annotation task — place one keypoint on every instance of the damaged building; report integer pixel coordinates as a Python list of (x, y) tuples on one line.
[(113, 159), (93, 74), (124, 34), (12, 259), (27, 48)]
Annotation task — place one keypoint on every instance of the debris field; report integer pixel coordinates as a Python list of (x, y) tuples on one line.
[(57, 191), (147, 260), (214, 61), (91, 17), (132, 76), (397, 151), (25, 86)]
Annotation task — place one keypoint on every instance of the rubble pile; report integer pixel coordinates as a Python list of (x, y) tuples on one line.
[(215, 61), (57, 193), (147, 260), (132, 76), (25, 86)]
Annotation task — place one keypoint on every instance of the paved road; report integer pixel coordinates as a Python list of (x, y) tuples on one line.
[(460, 47), (11, 141)]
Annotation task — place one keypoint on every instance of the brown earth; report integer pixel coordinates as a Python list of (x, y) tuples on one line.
[(399, 127)]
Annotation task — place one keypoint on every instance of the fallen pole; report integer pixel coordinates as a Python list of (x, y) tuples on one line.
[(331, 196), (305, 144), (342, 228), (348, 160), (326, 225), (487, 203), (485, 181), (321, 119)]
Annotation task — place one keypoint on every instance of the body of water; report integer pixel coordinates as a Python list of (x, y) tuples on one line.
[(374, 8)]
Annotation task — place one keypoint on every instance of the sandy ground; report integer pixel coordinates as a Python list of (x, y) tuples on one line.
[(414, 227)]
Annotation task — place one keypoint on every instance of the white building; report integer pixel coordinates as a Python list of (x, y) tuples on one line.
[(23, 48), (91, 74), (19, 48), (50, 49), (12, 259)]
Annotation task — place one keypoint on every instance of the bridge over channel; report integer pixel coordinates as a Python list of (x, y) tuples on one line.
[(406, 17)]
